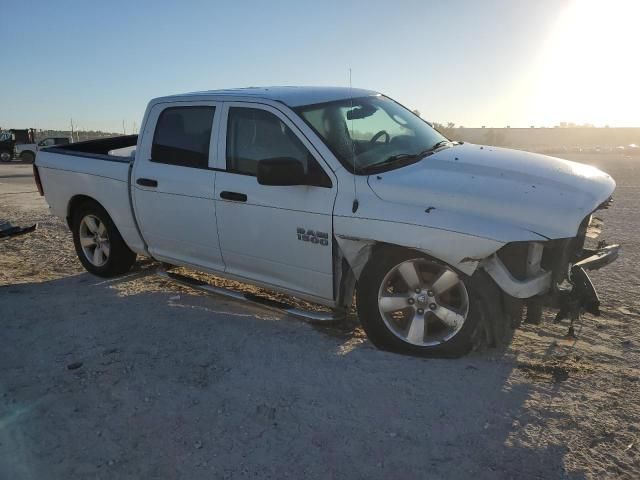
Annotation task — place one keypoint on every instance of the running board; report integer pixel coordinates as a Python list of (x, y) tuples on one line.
[(281, 307)]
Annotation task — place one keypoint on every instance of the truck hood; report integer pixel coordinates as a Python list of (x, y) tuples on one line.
[(545, 195)]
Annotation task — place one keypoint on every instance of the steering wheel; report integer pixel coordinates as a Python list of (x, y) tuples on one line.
[(375, 138)]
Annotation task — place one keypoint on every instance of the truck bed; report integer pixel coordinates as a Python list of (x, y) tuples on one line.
[(102, 149), (91, 169)]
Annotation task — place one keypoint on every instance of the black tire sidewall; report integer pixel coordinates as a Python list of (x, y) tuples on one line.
[(120, 256), (377, 331), (28, 157)]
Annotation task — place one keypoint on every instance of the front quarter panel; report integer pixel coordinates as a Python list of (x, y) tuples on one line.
[(377, 221)]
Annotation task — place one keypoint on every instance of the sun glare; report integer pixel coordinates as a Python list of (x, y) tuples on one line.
[(588, 71)]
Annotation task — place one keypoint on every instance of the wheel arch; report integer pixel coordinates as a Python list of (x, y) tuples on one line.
[(119, 258), (503, 312), (353, 255), (118, 211), (78, 200)]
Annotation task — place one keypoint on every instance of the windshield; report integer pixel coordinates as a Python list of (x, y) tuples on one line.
[(371, 132), (4, 136)]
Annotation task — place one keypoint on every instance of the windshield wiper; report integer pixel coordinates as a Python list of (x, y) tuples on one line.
[(400, 158), (439, 144), (406, 158)]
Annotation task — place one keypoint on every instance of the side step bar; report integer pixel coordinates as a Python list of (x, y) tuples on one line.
[(281, 307)]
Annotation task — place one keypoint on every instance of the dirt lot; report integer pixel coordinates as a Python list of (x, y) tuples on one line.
[(138, 378)]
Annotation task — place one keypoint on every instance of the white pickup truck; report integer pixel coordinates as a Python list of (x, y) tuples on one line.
[(27, 151), (323, 193)]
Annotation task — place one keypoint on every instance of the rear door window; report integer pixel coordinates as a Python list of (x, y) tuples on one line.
[(182, 136)]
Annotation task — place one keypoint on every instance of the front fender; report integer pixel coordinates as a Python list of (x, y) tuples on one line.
[(459, 240), (461, 251)]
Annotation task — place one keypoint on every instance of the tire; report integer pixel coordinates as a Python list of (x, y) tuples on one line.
[(5, 156), (383, 286), (28, 157), (99, 246)]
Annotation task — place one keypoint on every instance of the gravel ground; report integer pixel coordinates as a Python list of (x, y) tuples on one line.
[(138, 378)]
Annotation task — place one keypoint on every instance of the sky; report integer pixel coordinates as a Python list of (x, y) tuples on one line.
[(474, 63)]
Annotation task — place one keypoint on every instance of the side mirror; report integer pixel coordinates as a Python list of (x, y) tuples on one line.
[(284, 171)]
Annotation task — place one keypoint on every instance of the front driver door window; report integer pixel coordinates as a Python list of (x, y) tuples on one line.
[(254, 135)]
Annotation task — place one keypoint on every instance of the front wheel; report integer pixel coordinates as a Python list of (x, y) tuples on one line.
[(413, 304), (99, 246), (5, 155)]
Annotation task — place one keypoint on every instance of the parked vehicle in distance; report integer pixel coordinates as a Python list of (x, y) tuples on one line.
[(12, 137), (323, 192), (27, 152), (21, 144), (6, 146), (632, 149)]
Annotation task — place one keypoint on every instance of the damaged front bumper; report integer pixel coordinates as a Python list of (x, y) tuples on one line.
[(594, 259), (551, 274), (582, 296), (533, 275)]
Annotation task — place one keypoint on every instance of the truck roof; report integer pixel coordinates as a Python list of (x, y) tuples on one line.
[(289, 95)]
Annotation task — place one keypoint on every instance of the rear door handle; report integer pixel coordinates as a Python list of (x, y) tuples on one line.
[(147, 182), (235, 196)]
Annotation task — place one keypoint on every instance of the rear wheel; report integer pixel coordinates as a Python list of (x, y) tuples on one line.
[(414, 304), (99, 246), (27, 157)]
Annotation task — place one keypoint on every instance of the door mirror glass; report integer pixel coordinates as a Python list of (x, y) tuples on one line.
[(283, 171)]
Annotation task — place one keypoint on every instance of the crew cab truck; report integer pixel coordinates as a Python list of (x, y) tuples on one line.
[(323, 192)]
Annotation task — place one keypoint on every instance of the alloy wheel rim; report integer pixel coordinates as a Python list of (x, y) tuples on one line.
[(423, 303), (94, 240)]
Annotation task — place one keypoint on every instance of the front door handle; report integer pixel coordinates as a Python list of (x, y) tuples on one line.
[(147, 182), (235, 196)]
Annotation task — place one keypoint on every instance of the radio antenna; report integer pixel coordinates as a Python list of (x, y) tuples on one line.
[(354, 208)]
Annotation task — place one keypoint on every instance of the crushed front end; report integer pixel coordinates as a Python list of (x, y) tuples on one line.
[(552, 273), (572, 291)]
